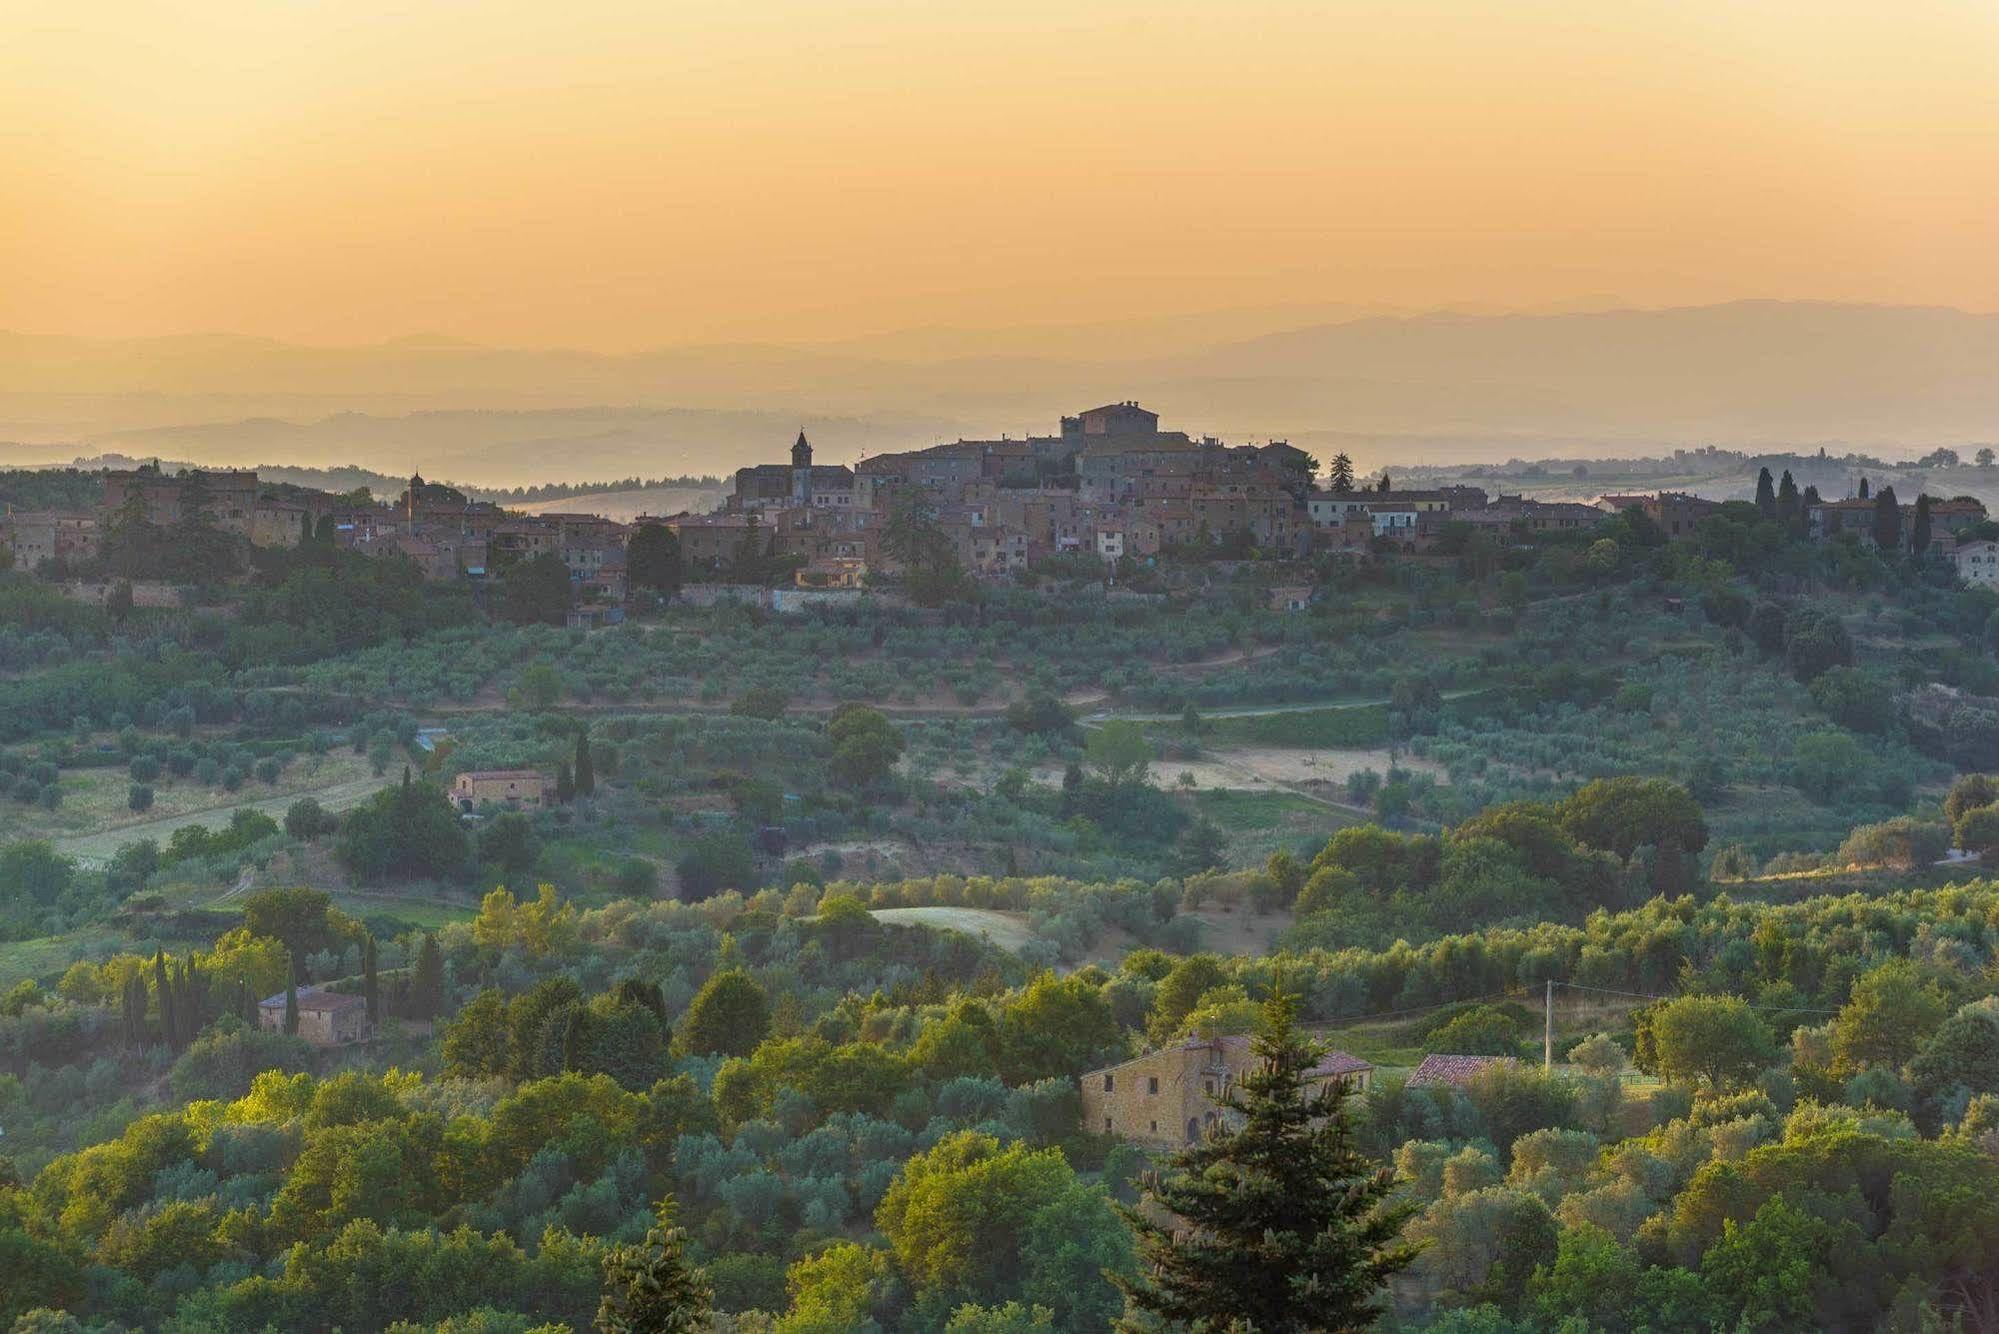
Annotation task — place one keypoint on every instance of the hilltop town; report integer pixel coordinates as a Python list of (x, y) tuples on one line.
[(1110, 495)]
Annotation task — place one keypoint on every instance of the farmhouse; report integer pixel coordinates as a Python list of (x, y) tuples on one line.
[(325, 1018), (1175, 1094), (512, 788)]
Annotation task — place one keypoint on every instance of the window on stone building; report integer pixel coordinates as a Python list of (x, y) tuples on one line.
[(1152, 1084), (1108, 1081)]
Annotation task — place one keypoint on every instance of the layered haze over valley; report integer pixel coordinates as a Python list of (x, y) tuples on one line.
[(1588, 378)]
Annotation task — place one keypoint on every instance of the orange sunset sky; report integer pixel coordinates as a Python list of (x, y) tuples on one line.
[(621, 175)]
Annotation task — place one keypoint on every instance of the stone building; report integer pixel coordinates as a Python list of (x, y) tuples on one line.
[(516, 789), (801, 483), (38, 536), (1174, 1095), (228, 498), (325, 1018)]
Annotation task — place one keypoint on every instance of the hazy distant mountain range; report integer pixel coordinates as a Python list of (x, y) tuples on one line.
[(1389, 387)]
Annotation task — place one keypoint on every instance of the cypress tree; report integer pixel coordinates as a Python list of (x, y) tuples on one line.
[(1919, 536), (1281, 1223), (575, 1038), (586, 772), (1863, 488), (1766, 495), (1072, 788), (650, 1288), (291, 998), (197, 998), (427, 980), (187, 1005), (1887, 521), (163, 983), (565, 783), (370, 988), (1787, 498)]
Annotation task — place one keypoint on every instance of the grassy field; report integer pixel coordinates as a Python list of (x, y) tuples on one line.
[(47, 956), (1356, 725), (1251, 812), (415, 910), (94, 824), (1260, 823), (1007, 930)]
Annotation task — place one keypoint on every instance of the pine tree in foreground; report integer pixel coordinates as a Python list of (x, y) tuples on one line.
[(650, 1288), (1279, 1223)]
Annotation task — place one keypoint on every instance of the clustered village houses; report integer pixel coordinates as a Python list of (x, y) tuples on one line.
[(1109, 483)]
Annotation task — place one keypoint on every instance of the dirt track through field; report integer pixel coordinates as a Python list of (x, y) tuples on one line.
[(96, 848)]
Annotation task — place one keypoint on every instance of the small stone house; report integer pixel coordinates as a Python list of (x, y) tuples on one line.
[(1290, 597), (1174, 1095), (516, 789), (325, 1018)]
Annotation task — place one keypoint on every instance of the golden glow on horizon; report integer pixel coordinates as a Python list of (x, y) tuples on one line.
[(619, 175)]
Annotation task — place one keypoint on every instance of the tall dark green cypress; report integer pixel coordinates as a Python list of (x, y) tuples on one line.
[(1887, 521), (1766, 494), (1787, 499), (565, 783), (1282, 1224), (183, 1004), (586, 771), (193, 1000), (163, 984), (427, 980), (370, 987), (1919, 536)]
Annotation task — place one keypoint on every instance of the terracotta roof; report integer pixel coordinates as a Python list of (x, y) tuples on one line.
[(1338, 1063), (1454, 1070)]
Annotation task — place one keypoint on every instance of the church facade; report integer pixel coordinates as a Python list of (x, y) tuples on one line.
[(800, 484)]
